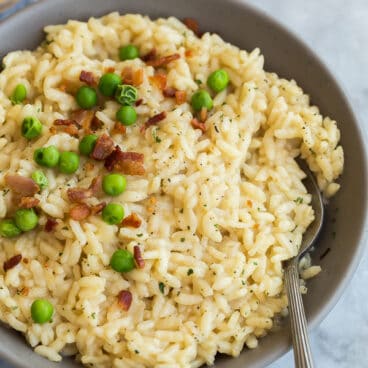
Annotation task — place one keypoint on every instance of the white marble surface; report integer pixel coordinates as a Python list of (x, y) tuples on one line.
[(338, 31)]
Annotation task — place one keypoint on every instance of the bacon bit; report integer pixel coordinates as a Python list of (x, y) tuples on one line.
[(125, 299), (127, 75), (181, 97), (196, 124), (103, 148), (119, 128), (154, 120), (138, 257), (87, 77), (97, 208), (169, 92), (249, 203), (138, 77), (25, 260), (163, 60), (71, 130), (12, 262), (80, 212), (62, 87), (52, 130), (133, 220), (96, 185), (83, 119), (29, 202), (21, 185), (78, 194), (66, 122), (188, 53), (110, 69), (203, 114), (139, 102), (192, 24), (130, 163), (159, 80), (89, 166), (50, 225), (96, 123), (150, 56), (25, 291)]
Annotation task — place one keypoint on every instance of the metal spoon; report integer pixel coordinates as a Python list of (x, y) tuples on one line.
[(302, 352)]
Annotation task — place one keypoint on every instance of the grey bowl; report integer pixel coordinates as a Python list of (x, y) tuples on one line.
[(240, 24)]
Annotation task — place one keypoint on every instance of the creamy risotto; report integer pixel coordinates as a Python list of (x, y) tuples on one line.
[(150, 192)]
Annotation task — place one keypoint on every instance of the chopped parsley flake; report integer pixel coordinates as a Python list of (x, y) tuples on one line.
[(139, 235), (190, 271), (182, 240), (93, 315), (161, 286), (299, 200)]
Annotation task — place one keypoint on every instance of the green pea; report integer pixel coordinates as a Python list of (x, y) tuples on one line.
[(41, 311), (128, 52), (47, 156), (126, 115), (19, 94), (218, 80), (8, 229), (201, 99), (40, 179), (31, 127), (87, 144), (68, 162), (122, 261), (26, 219), (86, 97), (108, 84), (113, 213), (114, 184), (126, 94)]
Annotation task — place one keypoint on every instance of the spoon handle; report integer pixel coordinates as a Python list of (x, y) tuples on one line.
[(299, 331)]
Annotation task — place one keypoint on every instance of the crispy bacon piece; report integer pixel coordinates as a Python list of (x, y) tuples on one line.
[(159, 80), (169, 92), (196, 124), (139, 102), (192, 24), (96, 123), (138, 77), (80, 194), (97, 208), (12, 262), (119, 128), (103, 147), (87, 77), (181, 97), (80, 212), (127, 75), (130, 163), (28, 202), (138, 257), (150, 56), (21, 185), (203, 114), (96, 185), (133, 220), (50, 225), (84, 119), (125, 299), (154, 120), (162, 61), (69, 126), (109, 69)]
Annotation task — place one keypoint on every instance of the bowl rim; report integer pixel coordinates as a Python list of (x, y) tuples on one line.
[(359, 250)]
